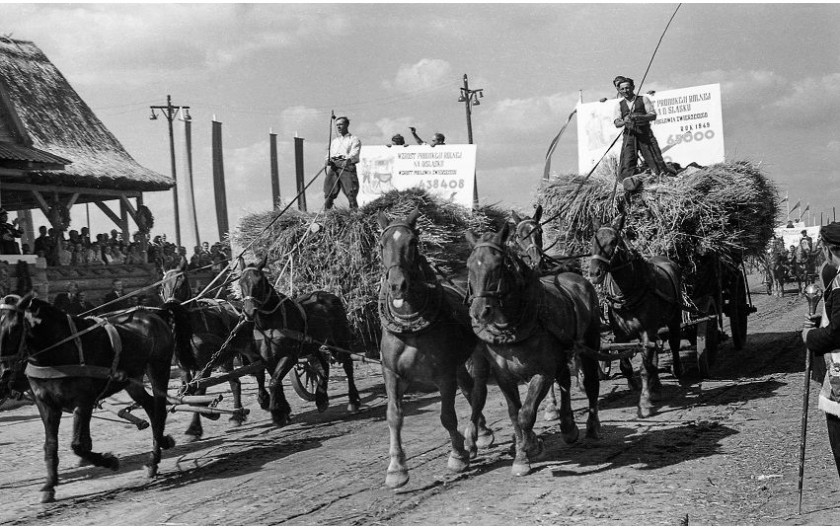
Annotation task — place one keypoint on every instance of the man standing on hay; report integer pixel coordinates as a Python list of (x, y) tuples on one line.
[(635, 114), (341, 166)]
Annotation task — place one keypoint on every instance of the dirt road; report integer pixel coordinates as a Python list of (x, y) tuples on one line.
[(720, 451)]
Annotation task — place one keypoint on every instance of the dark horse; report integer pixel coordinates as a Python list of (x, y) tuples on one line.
[(779, 266), (643, 295), (72, 363), (287, 329), (533, 328), (426, 336), (527, 241), (212, 322)]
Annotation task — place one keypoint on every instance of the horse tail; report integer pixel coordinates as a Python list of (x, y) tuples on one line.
[(183, 334)]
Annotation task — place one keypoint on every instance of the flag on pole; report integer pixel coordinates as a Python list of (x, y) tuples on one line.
[(807, 207), (795, 206), (553, 145)]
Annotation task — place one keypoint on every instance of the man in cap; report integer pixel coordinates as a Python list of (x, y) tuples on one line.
[(437, 138), (341, 166), (806, 237), (397, 139), (8, 233), (825, 340), (635, 114)]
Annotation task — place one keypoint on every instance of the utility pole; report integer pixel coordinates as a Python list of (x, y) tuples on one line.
[(169, 111), (470, 98)]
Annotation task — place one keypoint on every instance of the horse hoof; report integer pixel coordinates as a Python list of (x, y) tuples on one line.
[(264, 400), (191, 438), (167, 442), (322, 403), (520, 470), (571, 436), (396, 479), (212, 416), (593, 429), (151, 471), (485, 438), (458, 462), (236, 420), (551, 414), (352, 408), (281, 420), (47, 496), (644, 412)]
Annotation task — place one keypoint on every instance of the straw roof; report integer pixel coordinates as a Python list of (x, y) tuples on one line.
[(43, 112)]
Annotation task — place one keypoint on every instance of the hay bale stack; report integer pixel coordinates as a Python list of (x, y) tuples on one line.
[(341, 256), (728, 209)]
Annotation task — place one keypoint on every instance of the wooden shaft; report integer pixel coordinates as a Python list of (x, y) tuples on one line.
[(805, 395), (207, 410), (252, 368), (196, 400)]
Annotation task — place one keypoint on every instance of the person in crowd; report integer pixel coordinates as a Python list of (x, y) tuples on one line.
[(94, 255), (114, 294), (65, 255), (65, 298), (43, 241), (8, 233), (79, 254), (397, 139), (80, 304), (341, 166), (134, 256), (24, 249), (84, 234), (821, 334), (437, 138)]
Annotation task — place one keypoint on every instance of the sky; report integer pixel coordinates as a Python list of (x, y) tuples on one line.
[(266, 67)]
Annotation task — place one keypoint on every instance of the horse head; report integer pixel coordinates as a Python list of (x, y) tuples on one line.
[(527, 238), (175, 286), (13, 352), (255, 288), (494, 274), (398, 247), (608, 252)]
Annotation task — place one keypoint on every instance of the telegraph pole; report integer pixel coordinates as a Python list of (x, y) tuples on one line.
[(169, 111), (470, 98)]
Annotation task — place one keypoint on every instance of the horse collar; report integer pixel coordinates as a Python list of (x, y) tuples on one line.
[(417, 321)]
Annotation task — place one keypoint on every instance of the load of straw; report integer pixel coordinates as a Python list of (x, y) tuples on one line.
[(726, 209), (337, 250)]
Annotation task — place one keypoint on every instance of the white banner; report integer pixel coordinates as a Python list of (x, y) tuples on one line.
[(792, 236), (688, 127), (447, 171)]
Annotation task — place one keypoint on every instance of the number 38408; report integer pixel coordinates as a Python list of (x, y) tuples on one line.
[(431, 184)]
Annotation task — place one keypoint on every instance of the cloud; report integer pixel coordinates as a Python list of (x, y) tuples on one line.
[(425, 74)]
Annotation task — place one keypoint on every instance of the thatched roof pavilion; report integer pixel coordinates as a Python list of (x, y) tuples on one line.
[(52, 145)]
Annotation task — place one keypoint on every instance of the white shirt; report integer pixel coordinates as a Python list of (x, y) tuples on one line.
[(347, 145), (648, 106)]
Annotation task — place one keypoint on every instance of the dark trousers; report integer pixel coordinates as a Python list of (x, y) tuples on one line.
[(643, 141), (341, 180), (833, 424)]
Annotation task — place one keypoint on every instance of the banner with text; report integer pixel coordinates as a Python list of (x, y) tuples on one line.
[(688, 127), (447, 171)]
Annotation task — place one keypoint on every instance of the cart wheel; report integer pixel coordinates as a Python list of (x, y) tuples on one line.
[(308, 374), (738, 312), (707, 341)]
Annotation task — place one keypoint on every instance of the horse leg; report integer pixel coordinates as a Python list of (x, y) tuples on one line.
[(51, 418), (551, 413), (509, 389), (477, 435), (279, 407), (352, 392), (674, 336), (647, 372), (263, 398), (237, 418), (459, 458), (592, 387), (567, 420), (532, 447), (82, 445), (155, 408), (395, 386)]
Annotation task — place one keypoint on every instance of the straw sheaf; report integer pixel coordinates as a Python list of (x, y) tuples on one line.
[(726, 209), (58, 121), (342, 256)]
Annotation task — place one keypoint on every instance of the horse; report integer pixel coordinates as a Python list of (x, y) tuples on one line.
[(531, 328), (643, 295), (287, 329), (778, 266), (72, 363), (806, 256), (212, 322), (527, 241), (426, 336)]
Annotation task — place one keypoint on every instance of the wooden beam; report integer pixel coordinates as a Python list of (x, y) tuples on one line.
[(126, 234), (114, 194), (41, 202), (109, 212), (124, 200), (72, 200)]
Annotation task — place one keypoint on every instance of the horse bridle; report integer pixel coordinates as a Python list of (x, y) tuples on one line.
[(498, 293), (616, 252), (180, 277), (259, 303), (397, 224)]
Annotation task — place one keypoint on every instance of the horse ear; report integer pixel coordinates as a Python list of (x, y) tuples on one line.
[(384, 221), (413, 216), (472, 239), (515, 217), (538, 213)]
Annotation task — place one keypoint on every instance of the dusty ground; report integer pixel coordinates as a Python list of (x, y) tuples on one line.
[(723, 451)]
